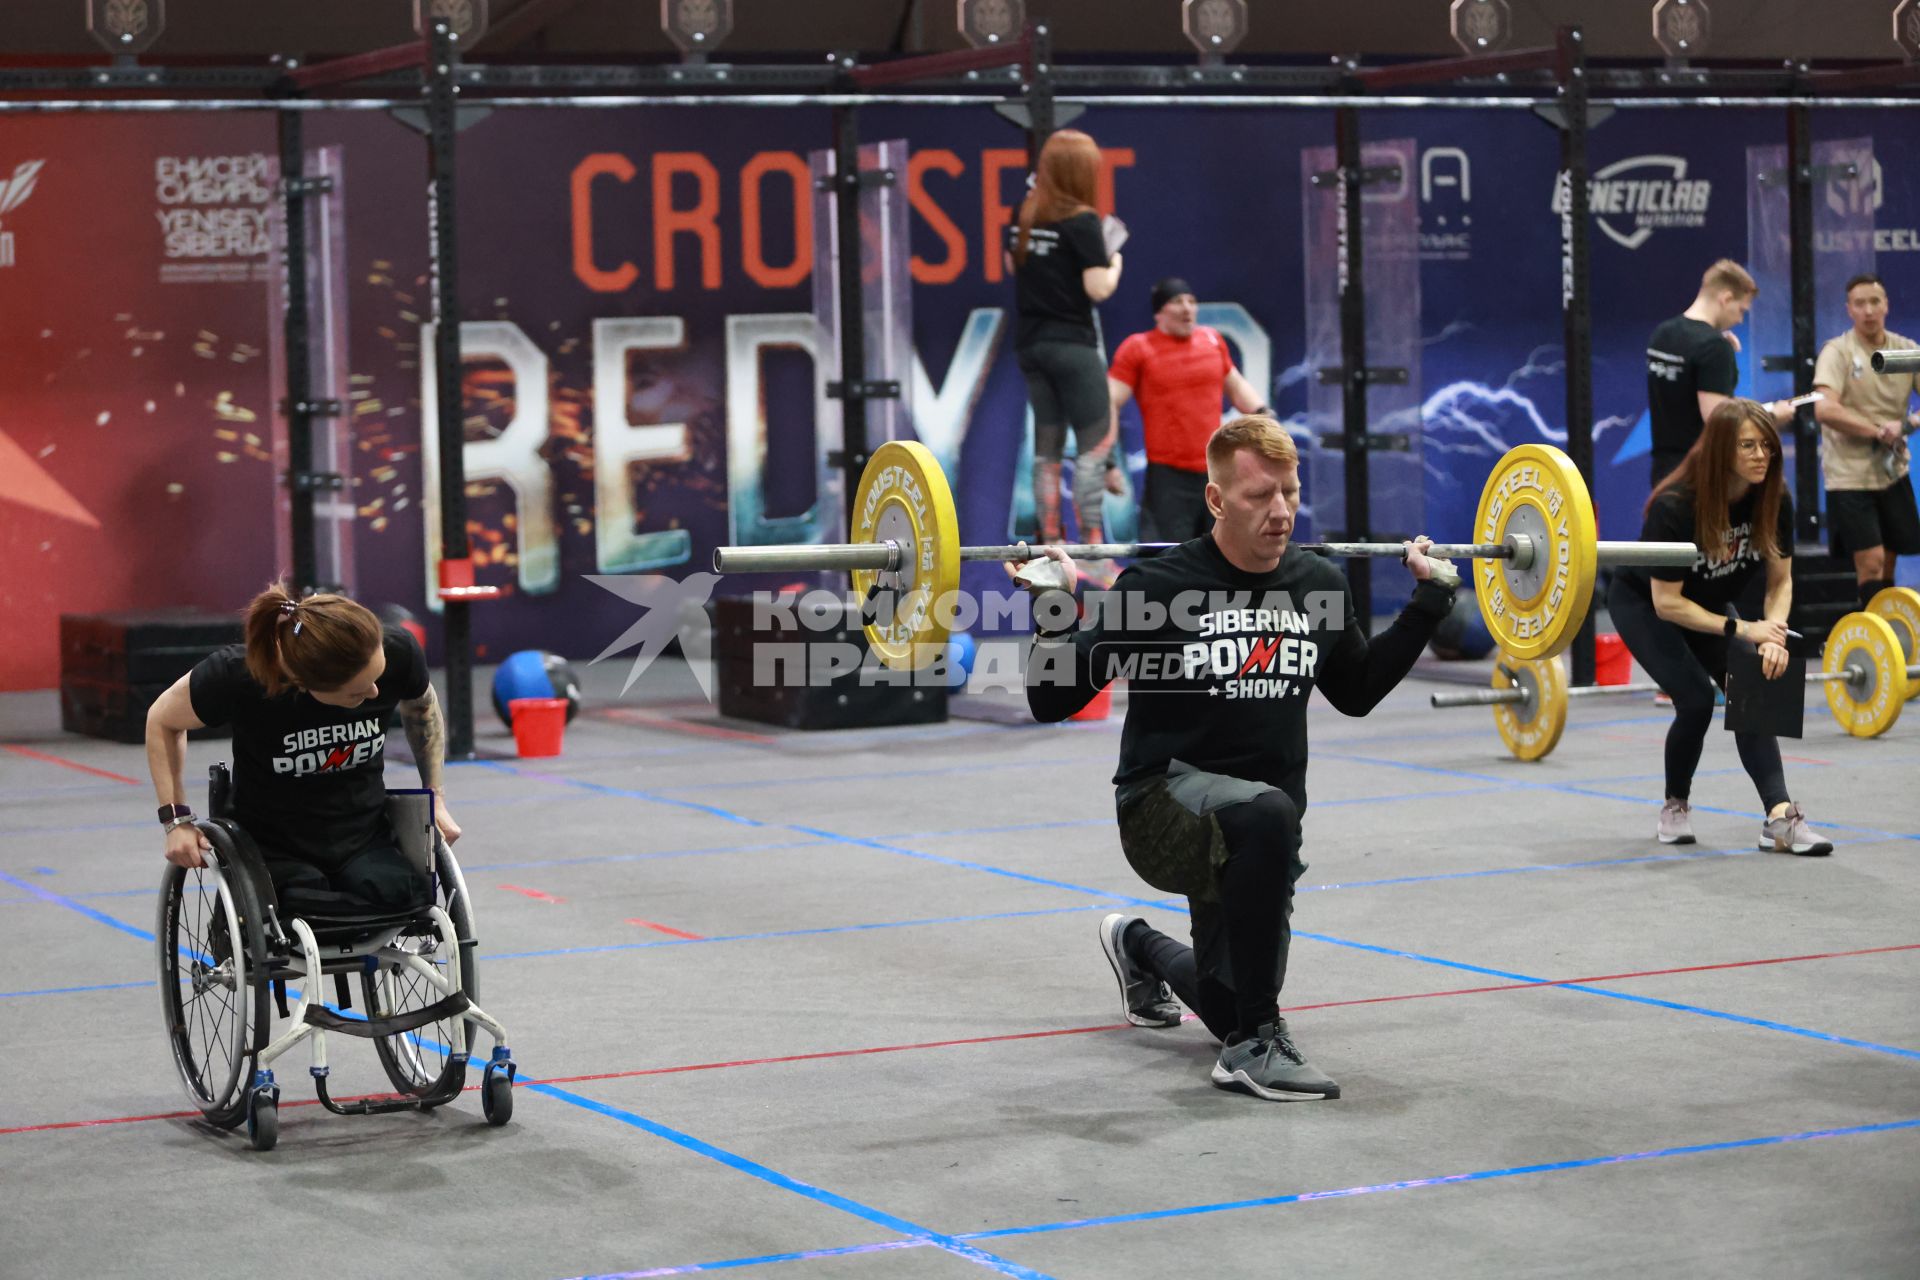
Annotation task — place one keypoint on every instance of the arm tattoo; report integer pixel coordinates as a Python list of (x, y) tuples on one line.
[(426, 734)]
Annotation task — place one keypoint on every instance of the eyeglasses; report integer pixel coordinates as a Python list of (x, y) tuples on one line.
[(1752, 447)]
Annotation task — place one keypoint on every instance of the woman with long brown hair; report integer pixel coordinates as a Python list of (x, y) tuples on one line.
[(1727, 497), (1061, 268), (308, 695)]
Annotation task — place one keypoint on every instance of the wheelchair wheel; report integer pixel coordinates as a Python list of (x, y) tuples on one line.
[(210, 940), (420, 1062)]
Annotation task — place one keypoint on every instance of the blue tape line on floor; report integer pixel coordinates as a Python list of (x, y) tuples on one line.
[(626, 792), (1573, 789), (1608, 993), (59, 899), (1692, 854), (819, 1195), (1483, 1175), (729, 1264), (1305, 1197), (67, 991)]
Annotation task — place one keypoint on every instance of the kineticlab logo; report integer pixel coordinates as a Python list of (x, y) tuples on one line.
[(1631, 199), (13, 193)]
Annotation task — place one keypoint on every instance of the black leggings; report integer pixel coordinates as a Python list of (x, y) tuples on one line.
[(1689, 665), (378, 879), (1233, 973), (1067, 387)]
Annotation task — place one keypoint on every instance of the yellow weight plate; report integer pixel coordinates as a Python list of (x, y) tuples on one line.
[(1901, 607), (1536, 491), (903, 497), (1865, 708), (1532, 728)]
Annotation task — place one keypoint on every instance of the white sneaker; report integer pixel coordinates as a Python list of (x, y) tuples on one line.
[(1676, 823), (1789, 833)]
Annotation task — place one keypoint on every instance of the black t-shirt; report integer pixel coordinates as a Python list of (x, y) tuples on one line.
[(1220, 661), (1684, 358), (1712, 582), (1048, 290), (309, 780)]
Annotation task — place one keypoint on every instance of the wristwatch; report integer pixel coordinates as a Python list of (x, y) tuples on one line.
[(1732, 628), (169, 813)]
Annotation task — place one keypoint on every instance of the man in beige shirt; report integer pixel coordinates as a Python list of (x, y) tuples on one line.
[(1864, 421)]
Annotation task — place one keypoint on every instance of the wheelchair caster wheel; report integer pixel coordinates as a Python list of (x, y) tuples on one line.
[(496, 1095), (263, 1120)]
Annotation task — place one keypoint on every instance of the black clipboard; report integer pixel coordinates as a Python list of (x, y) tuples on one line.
[(1755, 704)]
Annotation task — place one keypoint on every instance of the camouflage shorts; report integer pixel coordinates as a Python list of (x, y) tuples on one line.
[(1169, 833)]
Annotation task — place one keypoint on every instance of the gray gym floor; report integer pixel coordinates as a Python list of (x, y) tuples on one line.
[(832, 1004)]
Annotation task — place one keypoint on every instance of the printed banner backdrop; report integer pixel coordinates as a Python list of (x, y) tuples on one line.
[(645, 375)]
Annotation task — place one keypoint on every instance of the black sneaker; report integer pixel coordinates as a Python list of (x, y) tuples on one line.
[(1146, 1001)]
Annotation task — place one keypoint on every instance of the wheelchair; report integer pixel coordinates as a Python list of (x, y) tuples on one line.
[(227, 946)]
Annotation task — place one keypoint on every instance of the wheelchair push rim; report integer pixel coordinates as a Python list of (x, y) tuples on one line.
[(214, 1005)]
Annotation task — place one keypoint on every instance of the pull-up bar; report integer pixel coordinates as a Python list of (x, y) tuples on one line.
[(375, 62), (1449, 70), (932, 66)]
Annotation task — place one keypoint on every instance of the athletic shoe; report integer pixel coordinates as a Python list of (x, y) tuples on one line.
[(1146, 1001), (1661, 699), (1789, 833), (1676, 824), (1267, 1065)]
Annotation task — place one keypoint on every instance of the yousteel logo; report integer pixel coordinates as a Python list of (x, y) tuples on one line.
[(1631, 199), (13, 193), (1860, 193)]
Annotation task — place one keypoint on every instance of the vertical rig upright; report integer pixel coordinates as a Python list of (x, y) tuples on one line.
[(1576, 298), (298, 408), (1350, 252), (1806, 436), (443, 268)]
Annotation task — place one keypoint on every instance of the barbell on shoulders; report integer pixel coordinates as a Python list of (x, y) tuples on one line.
[(1535, 562)]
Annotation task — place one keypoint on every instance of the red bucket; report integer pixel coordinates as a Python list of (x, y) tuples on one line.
[(1612, 664), (539, 725), (1099, 709)]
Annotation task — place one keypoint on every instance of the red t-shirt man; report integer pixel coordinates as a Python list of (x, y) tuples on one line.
[(1178, 370)]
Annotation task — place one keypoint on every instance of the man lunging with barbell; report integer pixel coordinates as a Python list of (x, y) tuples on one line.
[(1223, 638), (1728, 497)]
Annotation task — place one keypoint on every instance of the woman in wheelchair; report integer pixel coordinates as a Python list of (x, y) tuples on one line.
[(309, 695)]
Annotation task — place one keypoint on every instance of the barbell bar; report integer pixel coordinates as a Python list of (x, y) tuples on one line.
[(1535, 561), (1865, 670), (891, 555), (1520, 695)]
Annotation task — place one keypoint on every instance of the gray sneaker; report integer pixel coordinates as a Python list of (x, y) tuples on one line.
[(1789, 833), (1268, 1066), (1676, 823), (1145, 999)]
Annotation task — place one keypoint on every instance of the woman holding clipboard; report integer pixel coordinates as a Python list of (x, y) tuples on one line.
[(1728, 497)]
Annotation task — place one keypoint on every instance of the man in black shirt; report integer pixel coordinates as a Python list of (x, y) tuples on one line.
[(1691, 367), (1222, 640)]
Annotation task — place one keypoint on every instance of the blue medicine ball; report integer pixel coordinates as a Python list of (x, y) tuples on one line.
[(1475, 640), (1463, 632), (961, 651), (534, 673)]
